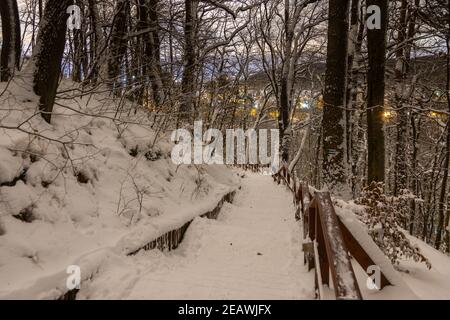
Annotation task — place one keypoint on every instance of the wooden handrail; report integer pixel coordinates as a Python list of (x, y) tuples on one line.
[(328, 243), (336, 257)]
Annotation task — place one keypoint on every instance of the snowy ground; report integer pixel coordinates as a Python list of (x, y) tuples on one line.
[(428, 284), (92, 187), (421, 283), (253, 251), (88, 186)]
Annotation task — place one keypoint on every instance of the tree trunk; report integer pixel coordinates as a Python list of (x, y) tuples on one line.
[(41, 9), (334, 157), (376, 43), (154, 47), (10, 57), (118, 42), (48, 54), (441, 220), (352, 79), (78, 55), (414, 183), (443, 193), (400, 181), (148, 16), (285, 103), (97, 45), (189, 72), (79, 43)]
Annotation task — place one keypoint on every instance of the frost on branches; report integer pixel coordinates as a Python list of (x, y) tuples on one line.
[(383, 216)]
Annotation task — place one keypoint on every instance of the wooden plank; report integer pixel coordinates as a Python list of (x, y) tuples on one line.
[(324, 269), (306, 196), (310, 223), (318, 278), (335, 243), (344, 279), (360, 255)]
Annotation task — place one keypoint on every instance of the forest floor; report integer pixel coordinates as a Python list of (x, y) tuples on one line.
[(253, 251)]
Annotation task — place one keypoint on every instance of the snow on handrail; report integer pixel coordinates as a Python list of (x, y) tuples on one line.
[(335, 241), (322, 226)]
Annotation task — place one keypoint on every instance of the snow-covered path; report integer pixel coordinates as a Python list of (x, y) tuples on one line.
[(253, 251)]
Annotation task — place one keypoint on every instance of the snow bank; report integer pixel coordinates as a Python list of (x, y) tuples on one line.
[(428, 284), (86, 187)]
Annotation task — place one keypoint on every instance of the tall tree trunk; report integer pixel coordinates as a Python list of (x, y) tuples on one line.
[(376, 43), (414, 183), (118, 42), (352, 79), (190, 57), (401, 178), (353, 115), (142, 25), (79, 43), (152, 63), (443, 193), (285, 86), (41, 9), (98, 63), (334, 157), (441, 227), (415, 128), (78, 55), (48, 54), (155, 54), (10, 57)]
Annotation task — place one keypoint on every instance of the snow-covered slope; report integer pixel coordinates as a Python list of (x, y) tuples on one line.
[(428, 284), (93, 183), (412, 280)]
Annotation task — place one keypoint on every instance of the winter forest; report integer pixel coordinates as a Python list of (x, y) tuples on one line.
[(225, 149)]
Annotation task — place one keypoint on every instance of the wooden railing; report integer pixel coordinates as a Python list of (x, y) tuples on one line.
[(328, 243), (168, 241)]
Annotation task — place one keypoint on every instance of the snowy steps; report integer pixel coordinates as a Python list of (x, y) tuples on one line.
[(252, 251)]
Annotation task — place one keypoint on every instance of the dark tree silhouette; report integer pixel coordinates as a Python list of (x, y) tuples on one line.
[(11, 46), (49, 52)]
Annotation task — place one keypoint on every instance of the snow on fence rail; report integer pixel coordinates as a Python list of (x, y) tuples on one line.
[(330, 242), (172, 239)]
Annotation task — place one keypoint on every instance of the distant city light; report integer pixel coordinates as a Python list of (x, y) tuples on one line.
[(304, 105)]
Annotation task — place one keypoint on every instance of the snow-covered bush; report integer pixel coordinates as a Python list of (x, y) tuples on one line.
[(383, 217)]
